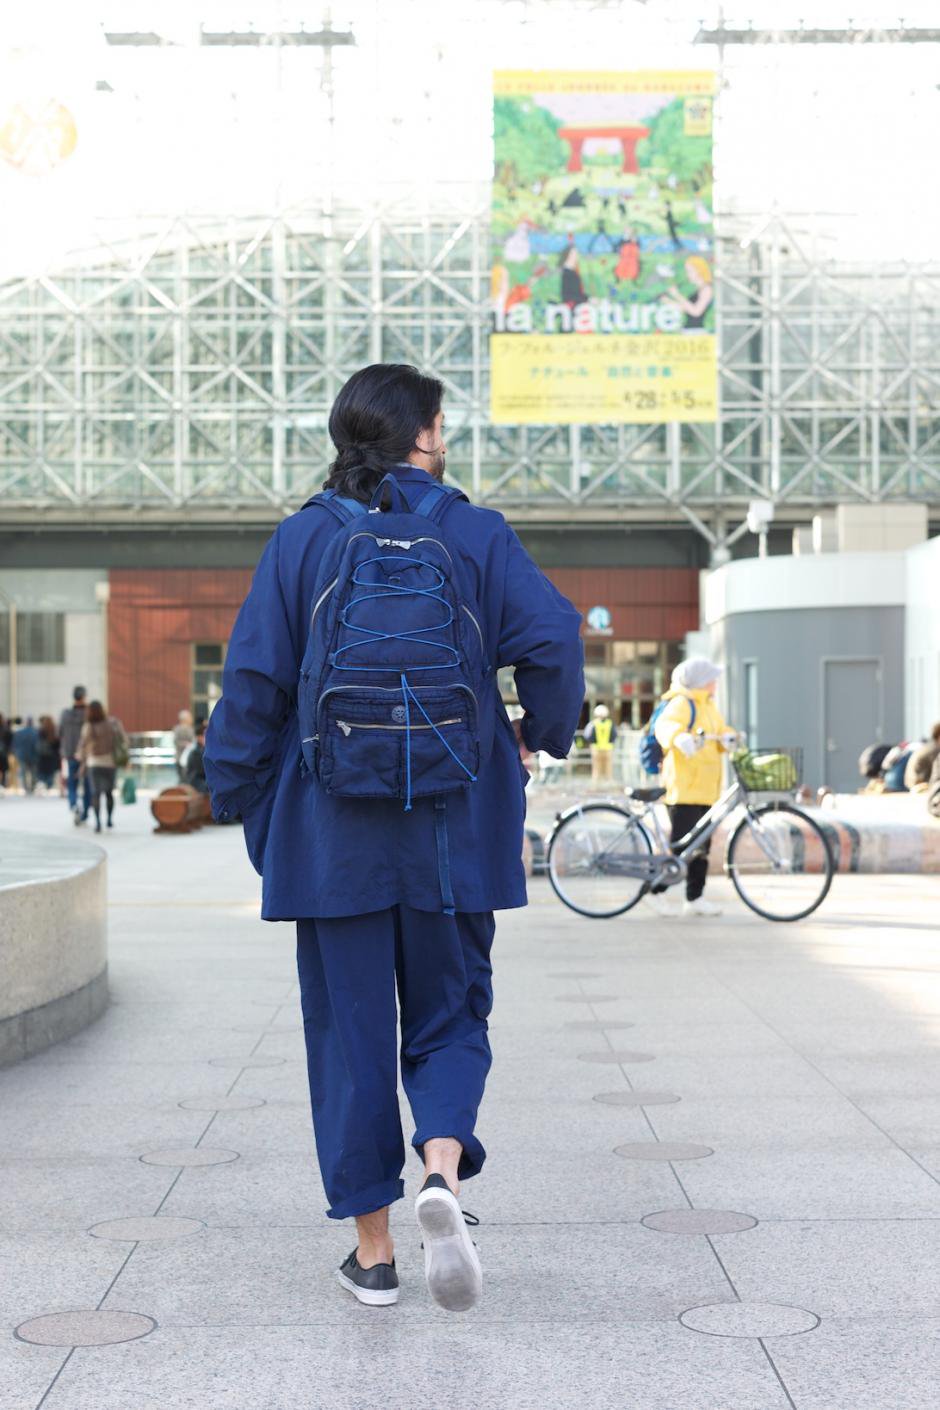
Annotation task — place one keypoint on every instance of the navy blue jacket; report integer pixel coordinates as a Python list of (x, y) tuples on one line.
[(321, 855)]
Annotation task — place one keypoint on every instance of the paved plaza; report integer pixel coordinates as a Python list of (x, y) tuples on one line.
[(713, 1178)]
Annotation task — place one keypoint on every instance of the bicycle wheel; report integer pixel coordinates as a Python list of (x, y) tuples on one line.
[(598, 860), (780, 862)]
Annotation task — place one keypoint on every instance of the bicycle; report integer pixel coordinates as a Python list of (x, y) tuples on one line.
[(603, 857)]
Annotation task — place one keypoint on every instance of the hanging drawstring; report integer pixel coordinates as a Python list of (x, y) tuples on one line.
[(443, 856), (408, 692), (404, 696)]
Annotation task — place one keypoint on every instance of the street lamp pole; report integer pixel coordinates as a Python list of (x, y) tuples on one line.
[(14, 692)]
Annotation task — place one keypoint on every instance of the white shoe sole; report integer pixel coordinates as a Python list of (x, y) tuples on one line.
[(451, 1263), (369, 1296)]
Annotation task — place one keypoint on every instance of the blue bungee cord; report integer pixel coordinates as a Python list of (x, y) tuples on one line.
[(371, 636)]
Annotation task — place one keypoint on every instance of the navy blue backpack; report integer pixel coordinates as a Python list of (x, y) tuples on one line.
[(650, 750), (395, 662)]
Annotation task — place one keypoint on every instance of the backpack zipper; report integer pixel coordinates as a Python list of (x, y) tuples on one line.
[(321, 599), (478, 627), (348, 726), (401, 543)]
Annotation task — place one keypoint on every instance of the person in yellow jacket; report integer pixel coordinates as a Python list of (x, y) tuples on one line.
[(691, 769), (601, 735)]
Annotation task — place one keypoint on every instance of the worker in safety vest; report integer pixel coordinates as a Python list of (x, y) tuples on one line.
[(601, 734)]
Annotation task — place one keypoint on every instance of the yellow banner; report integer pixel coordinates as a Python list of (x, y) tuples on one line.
[(601, 378)]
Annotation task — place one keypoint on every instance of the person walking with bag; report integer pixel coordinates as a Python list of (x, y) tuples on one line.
[(362, 738), (101, 746), (692, 763)]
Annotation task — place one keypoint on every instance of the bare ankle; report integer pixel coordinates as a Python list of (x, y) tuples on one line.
[(442, 1157), (368, 1254)]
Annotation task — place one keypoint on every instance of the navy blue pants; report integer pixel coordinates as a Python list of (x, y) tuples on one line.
[(350, 968)]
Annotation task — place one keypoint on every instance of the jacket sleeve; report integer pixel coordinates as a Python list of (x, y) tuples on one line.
[(258, 684), (540, 637), (673, 721)]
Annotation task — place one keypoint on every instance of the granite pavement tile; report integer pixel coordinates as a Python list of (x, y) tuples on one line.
[(397, 1364)]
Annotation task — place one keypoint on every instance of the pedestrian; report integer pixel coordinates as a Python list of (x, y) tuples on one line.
[(692, 763), (26, 752), (49, 758), (895, 765), (6, 744), (99, 747), (70, 729), (601, 735), (183, 737), (918, 768), (195, 771), (362, 736)]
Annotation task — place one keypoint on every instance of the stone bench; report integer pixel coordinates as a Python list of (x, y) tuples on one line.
[(53, 940)]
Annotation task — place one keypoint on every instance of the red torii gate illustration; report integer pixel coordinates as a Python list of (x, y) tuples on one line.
[(627, 135)]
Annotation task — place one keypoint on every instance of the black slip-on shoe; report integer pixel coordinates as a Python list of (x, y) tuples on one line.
[(376, 1286), (451, 1263)]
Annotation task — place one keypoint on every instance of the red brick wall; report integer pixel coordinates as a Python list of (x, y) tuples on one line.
[(154, 616), (646, 604)]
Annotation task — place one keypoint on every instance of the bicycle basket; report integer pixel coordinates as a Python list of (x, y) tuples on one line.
[(769, 770)]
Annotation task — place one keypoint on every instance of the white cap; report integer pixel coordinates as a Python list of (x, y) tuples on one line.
[(601, 712), (695, 673)]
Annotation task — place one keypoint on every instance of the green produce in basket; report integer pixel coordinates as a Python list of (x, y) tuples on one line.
[(768, 773)]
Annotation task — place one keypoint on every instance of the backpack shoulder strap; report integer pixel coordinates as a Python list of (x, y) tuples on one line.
[(342, 509), (692, 703), (436, 501)]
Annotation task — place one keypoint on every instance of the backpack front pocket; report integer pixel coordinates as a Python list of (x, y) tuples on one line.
[(381, 742)]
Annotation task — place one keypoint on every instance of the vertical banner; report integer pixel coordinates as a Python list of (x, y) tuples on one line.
[(603, 290)]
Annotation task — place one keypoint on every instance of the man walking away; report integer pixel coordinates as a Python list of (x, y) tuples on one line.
[(70, 729), (692, 763), (601, 735), (362, 737)]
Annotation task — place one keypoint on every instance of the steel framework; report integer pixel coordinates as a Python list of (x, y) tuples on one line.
[(186, 374)]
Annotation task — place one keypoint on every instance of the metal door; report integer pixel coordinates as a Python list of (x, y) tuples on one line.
[(852, 718)]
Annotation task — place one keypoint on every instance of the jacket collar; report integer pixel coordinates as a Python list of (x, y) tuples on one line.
[(405, 470)]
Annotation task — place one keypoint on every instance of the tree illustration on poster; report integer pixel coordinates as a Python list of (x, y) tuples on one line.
[(603, 248)]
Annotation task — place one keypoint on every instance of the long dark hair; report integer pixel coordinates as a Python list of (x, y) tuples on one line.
[(375, 422), (95, 713)]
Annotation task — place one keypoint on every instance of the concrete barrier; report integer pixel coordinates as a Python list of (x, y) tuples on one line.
[(53, 941)]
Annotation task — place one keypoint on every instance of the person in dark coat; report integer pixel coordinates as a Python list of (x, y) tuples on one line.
[(49, 758), (70, 729), (194, 770), (6, 744), (363, 878), (26, 752)]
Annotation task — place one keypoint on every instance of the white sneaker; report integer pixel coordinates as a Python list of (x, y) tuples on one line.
[(661, 904), (451, 1263), (701, 907)]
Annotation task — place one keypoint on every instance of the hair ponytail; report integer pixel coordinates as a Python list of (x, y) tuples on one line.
[(375, 422)]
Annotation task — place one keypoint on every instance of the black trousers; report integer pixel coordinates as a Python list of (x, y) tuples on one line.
[(682, 816)]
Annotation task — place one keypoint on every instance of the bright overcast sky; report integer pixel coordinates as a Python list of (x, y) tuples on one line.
[(848, 130)]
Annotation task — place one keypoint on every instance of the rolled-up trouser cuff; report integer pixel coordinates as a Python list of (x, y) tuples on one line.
[(471, 1157), (368, 1201)]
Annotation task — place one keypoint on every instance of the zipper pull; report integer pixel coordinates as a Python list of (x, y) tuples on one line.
[(347, 729)]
